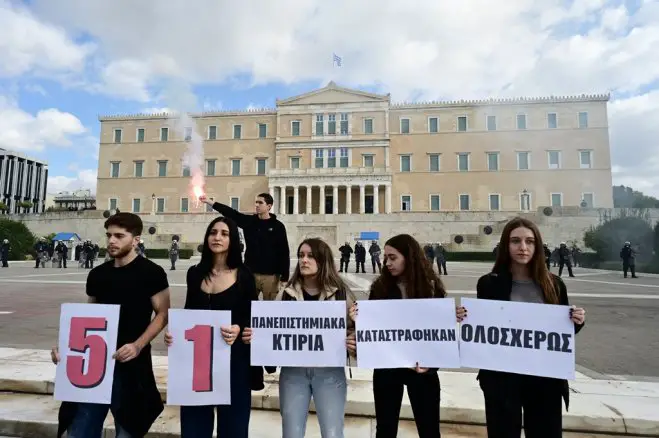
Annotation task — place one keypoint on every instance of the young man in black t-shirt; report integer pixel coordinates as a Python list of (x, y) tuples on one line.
[(140, 287)]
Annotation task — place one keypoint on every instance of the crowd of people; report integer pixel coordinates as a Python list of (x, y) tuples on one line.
[(223, 280)]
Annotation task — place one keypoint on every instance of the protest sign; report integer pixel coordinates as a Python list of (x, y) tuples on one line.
[(523, 338), (400, 333), (87, 341), (199, 359), (299, 333)]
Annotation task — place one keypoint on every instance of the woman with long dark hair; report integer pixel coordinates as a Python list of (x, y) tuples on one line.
[(315, 279), (221, 282), (520, 274), (407, 274)]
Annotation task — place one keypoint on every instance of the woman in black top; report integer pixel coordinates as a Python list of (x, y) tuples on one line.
[(407, 274), (521, 274), (221, 282)]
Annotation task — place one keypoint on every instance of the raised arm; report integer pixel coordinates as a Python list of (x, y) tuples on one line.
[(239, 218)]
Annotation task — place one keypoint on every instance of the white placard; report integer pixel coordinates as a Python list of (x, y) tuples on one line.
[(87, 341), (523, 338), (299, 333), (199, 359), (400, 333)]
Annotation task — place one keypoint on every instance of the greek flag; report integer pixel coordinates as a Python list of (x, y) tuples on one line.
[(337, 60)]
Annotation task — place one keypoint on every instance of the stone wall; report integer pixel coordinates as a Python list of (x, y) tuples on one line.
[(564, 224)]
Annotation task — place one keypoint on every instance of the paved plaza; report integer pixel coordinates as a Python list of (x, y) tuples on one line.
[(619, 341)]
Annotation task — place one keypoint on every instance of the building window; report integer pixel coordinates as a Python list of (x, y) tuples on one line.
[(160, 205), (140, 135), (491, 123), (186, 171), (406, 203), (552, 121), (344, 158), (263, 130), (260, 166), (463, 162), (435, 203), (235, 203), (113, 204), (554, 159), (319, 162), (433, 162), (556, 199), (331, 158), (521, 121), (523, 161), (464, 202), (462, 123), (136, 205), (583, 120), (212, 132), (405, 163), (117, 135), (295, 128), (187, 134), (589, 199), (404, 126), (162, 168), (344, 124), (331, 124), (493, 161), (237, 132), (495, 202), (367, 161), (114, 169), (139, 169), (210, 167), (235, 167), (368, 126), (586, 159), (320, 124), (185, 205), (433, 124), (295, 162), (164, 134)]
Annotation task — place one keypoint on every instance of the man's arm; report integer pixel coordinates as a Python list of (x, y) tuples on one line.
[(239, 218)]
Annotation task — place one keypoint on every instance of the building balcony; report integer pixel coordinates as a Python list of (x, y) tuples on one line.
[(331, 172)]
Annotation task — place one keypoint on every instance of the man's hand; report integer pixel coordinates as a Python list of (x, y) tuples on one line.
[(127, 352), (205, 200), (54, 355)]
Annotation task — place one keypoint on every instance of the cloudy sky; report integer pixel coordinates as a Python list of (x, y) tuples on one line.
[(64, 62)]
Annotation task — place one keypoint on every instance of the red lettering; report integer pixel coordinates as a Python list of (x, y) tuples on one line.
[(80, 341), (202, 337)]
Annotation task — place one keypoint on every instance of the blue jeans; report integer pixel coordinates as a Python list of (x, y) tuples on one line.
[(89, 417), (327, 386)]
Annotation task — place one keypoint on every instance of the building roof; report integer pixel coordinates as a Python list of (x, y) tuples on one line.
[(66, 236)]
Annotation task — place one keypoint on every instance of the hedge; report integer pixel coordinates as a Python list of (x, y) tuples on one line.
[(21, 239), (157, 253)]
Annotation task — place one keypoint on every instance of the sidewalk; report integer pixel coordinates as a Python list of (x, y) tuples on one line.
[(596, 406)]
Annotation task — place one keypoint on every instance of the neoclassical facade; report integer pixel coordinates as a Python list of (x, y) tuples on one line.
[(342, 151), (23, 182)]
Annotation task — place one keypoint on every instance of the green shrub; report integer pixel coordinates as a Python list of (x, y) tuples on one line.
[(607, 239), (21, 239)]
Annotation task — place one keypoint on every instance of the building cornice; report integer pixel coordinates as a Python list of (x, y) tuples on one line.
[(504, 101), (201, 115)]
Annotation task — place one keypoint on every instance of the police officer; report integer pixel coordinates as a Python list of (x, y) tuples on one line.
[(375, 251), (345, 251), (440, 256), (564, 259), (173, 253), (547, 255), (360, 257), (4, 253), (628, 256)]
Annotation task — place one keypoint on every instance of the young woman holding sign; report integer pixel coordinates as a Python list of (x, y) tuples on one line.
[(407, 275), (315, 279), (520, 274), (221, 282)]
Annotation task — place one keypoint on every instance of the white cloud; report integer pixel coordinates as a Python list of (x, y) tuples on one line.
[(22, 131), (83, 179)]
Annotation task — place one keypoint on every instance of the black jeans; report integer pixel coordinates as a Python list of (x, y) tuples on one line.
[(423, 391), (359, 263), (376, 261), (346, 261), (567, 263), (626, 266), (511, 397), (441, 263)]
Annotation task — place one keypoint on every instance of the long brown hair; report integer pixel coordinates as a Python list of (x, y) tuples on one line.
[(327, 276), (419, 278), (537, 266)]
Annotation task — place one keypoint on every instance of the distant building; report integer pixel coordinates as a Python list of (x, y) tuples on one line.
[(73, 201), (23, 183)]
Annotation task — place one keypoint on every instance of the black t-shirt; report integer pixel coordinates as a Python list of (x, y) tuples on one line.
[(308, 297), (132, 287)]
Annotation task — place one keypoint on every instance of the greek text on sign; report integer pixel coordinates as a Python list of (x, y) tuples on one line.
[(523, 338), (199, 359), (87, 341), (299, 333), (400, 333)]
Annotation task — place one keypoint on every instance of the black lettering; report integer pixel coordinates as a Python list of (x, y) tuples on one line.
[(408, 335), (417, 335), (427, 335), (467, 333), (287, 341), (276, 342), (313, 324), (302, 340), (566, 343), (435, 335), (528, 339), (480, 335), (389, 335), (516, 341), (381, 336), (553, 341), (493, 335), (504, 337), (318, 343), (342, 323), (360, 336), (255, 322), (451, 335), (401, 335), (539, 338), (367, 336)]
